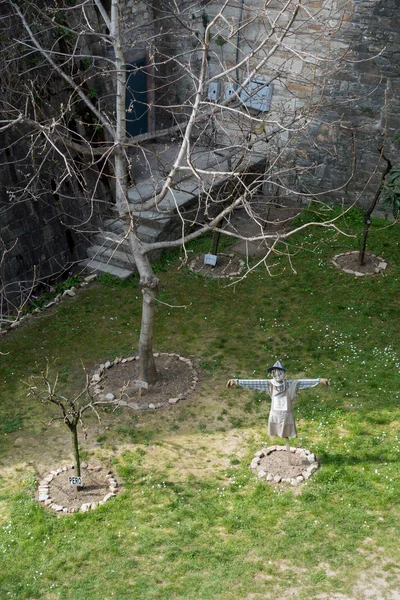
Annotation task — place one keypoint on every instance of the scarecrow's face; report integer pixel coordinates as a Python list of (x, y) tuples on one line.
[(278, 375)]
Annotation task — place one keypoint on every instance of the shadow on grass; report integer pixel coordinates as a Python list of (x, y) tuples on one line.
[(362, 459)]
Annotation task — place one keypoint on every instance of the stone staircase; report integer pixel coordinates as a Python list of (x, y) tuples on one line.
[(110, 252)]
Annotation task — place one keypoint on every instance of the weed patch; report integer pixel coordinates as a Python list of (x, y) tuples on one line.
[(10, 423)]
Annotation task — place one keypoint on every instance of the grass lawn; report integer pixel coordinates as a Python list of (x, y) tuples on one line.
[(192, 521)]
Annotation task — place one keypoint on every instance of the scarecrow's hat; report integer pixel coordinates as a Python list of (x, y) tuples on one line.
[(277, 365)]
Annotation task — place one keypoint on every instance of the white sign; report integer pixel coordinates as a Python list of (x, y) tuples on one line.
[(210, 259), (75, 480), (141, 384), (279, 402)]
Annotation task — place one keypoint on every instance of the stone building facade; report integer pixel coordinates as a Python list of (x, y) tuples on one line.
[(338, 66), (334, 79), (335, 83)]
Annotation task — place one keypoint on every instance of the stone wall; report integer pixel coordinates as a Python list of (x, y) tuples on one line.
[(362, 109), (44, 233), (338, 68), (48, 212)]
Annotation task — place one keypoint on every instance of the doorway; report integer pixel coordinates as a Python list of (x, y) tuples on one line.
[(137, 107)]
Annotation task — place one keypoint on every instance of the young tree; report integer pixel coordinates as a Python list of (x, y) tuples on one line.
[(46, 388), (367, 211), (237, 86)]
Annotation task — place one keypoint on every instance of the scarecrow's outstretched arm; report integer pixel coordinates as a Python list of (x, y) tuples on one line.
[(252, 384), (304, 384)]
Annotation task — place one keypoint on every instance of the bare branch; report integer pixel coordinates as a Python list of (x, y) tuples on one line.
[(62, 74), (103, 13)]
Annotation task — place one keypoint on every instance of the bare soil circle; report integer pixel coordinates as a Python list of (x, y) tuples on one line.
[(348, 262), (177, 379), (277, 463), (227, 265), (57, 492)]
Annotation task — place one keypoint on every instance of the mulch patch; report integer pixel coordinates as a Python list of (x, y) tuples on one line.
[(273, 465)]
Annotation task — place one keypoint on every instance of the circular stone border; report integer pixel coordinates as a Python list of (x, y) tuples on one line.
[(276, 477), (379, 269), (98, 375), (44, 490), (192, 266)]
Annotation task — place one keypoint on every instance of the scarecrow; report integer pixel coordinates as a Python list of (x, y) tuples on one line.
[(282, 392)]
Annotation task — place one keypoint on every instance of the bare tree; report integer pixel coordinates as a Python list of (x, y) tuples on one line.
[(233, 87), (45, 388)]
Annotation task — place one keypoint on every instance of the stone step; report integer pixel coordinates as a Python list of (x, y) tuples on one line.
[(158, 220), (113, 225), (147, 233), (162, 221), (111, 256), (169, 204), (111, 252), (155, 218), (95, 265), (110, 239), (142, 191)]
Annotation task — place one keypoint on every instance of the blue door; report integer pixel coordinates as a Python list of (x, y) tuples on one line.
[(136, 98)]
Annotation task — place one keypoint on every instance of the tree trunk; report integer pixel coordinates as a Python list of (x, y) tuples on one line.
[(149, 284), (215, 242), (367, 225), (148, 370), (120, 161), (148, 281), (367, 213), (75, 446)]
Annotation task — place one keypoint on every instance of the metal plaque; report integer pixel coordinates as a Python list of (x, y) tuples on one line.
[(141, 384), (210, 259)]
